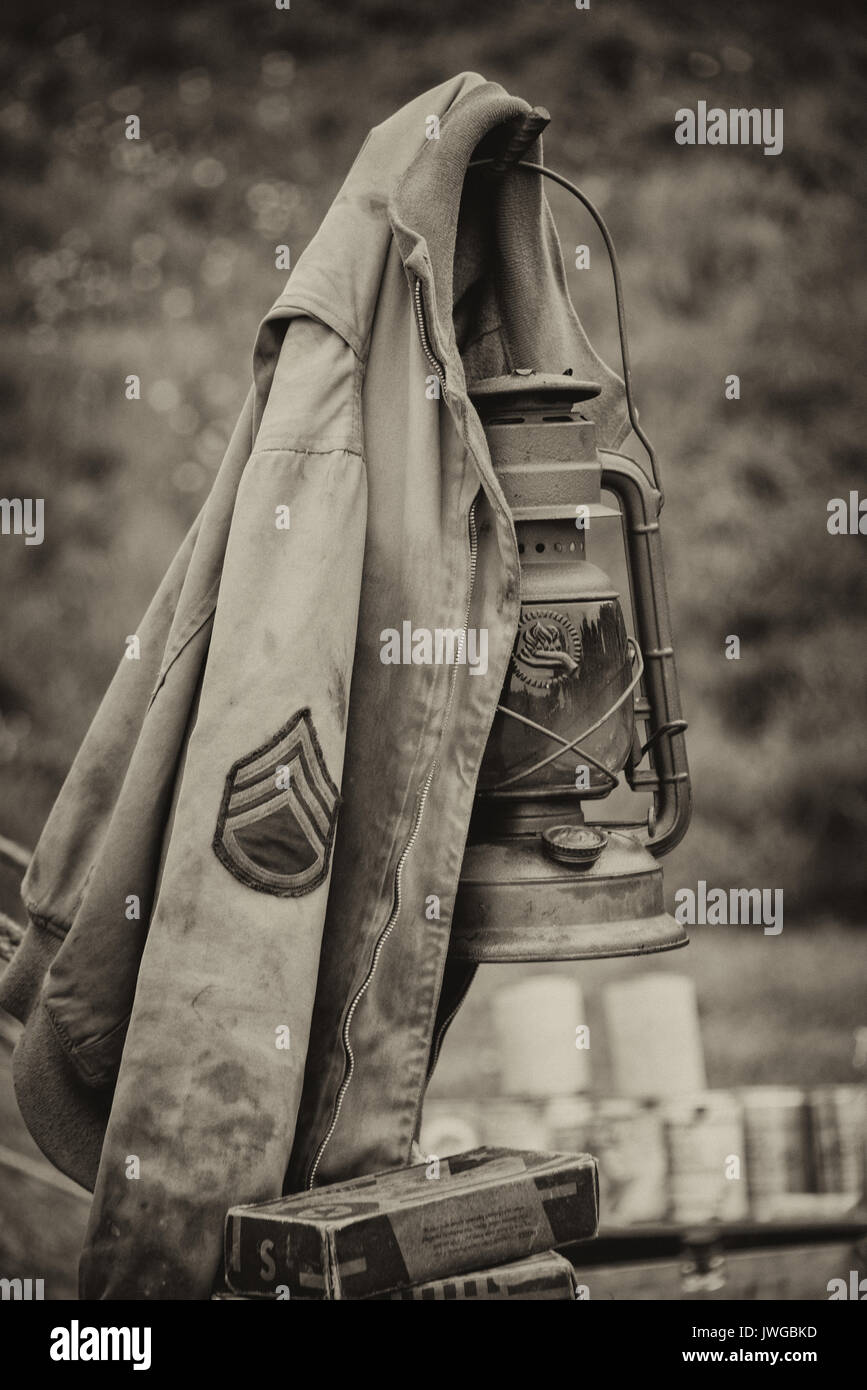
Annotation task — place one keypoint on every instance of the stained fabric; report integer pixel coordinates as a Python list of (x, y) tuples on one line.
[(263, 912)]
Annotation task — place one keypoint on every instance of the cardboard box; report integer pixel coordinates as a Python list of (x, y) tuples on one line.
[(546, 1276), (413, 1225), (540, 1277)]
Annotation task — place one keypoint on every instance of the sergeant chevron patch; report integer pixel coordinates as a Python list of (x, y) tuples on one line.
[(279, 813)]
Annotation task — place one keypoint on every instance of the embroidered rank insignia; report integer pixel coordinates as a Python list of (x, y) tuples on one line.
[(279, 813)]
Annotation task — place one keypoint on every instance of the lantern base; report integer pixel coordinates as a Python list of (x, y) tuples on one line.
[(516, 904)]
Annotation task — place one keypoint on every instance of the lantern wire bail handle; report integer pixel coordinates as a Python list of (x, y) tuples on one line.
[(525, 130)]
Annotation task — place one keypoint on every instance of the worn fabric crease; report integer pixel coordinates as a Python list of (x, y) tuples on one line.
[(156, 1036)]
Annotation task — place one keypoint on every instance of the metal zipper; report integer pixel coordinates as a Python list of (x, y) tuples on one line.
[(422, 333), (386, 933), (421, 800)]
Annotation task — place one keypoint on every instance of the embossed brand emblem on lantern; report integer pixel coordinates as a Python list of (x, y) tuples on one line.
[(548, 648)]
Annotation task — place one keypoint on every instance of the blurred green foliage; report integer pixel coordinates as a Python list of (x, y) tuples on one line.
[(156, 257)]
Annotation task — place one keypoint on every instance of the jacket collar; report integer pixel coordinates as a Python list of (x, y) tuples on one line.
[(408, 188), (518, 249), (425, 206)]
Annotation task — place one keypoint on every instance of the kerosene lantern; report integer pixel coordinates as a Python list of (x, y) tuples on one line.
[(543, 877)]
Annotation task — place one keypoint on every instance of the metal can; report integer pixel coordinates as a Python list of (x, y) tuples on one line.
[(777, 1148), (567, 1120), (626, 1138), (704, 1142), (838, 1126)]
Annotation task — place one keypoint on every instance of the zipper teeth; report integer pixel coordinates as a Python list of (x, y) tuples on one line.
[(420, 803), (471, 580), (378, 949), (398, 874), (422, 333)]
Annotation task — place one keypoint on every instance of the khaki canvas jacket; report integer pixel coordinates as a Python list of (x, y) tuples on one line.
[(230, 975)]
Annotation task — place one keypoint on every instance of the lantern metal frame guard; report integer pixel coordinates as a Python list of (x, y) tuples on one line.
[(538, 883)]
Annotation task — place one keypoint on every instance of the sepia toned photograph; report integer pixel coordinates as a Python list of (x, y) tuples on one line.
[(432, 681)]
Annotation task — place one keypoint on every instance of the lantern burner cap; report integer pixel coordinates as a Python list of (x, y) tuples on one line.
[(528, 390), (579, 845)]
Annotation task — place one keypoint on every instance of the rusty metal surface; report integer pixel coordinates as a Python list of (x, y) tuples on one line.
[(516, 904)]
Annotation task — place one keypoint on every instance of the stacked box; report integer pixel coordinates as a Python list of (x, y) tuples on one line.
[(390, 1231), (546, 1276)]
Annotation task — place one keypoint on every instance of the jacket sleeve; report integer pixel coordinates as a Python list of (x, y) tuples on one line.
[(210, 1079)]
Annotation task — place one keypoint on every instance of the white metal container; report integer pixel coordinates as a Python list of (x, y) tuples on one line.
[(654, 1036), (535, 1021), (704, 1141)]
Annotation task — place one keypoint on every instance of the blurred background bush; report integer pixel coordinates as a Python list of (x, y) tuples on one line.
[(156, 257)]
